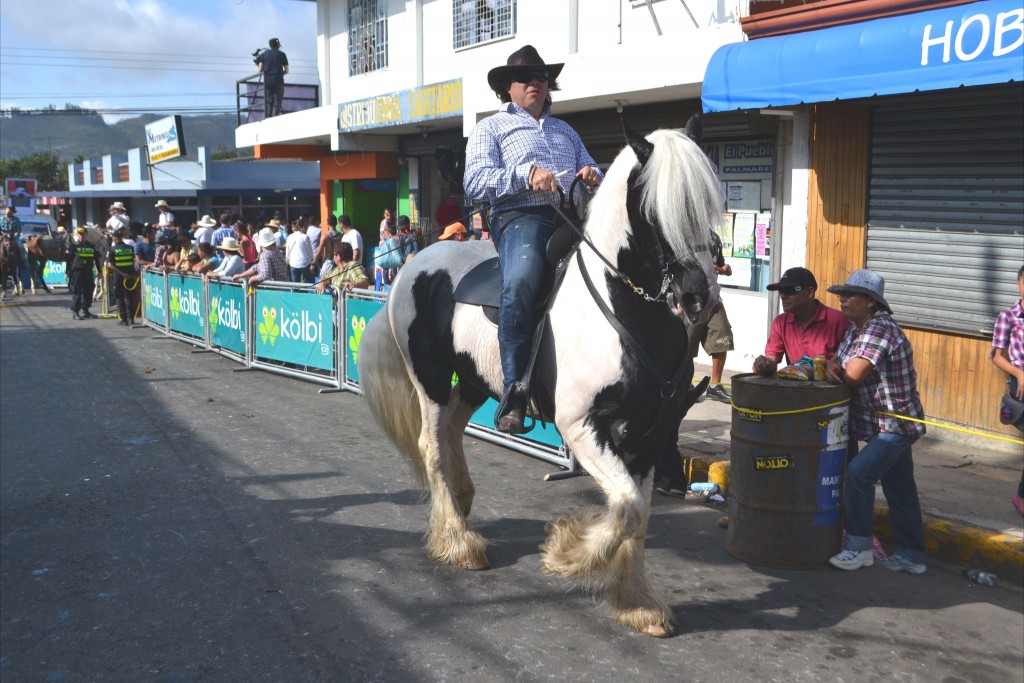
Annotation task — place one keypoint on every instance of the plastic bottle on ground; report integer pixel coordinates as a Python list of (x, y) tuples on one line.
[(981, 578), (703, 487)]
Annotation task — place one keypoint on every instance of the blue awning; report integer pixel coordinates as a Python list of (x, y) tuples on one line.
[(981, 43)]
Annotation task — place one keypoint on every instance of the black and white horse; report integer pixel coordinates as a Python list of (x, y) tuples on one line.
[(612, 396)]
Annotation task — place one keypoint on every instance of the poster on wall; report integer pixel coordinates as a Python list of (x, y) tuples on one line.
[(744, 245), (724, 232), (762, 235), (741, 270), (743, 196)]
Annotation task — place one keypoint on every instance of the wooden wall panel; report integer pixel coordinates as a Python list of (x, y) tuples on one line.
[(958, 383)]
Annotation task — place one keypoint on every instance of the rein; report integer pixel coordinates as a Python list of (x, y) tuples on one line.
[(666, 273), (668, 387)]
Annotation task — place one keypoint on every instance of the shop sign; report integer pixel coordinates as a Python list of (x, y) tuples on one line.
[(439, 100)]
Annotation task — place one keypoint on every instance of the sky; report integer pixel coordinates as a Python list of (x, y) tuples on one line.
[(125, 57)]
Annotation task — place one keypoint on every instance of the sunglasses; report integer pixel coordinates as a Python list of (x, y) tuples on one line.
[(790, 291), (528, 76)]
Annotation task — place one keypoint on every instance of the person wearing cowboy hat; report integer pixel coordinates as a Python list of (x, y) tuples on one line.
[(204, 230), (119, 217), (166, 219), (232, 262), (876, 361), (515, 160), (271, 264)]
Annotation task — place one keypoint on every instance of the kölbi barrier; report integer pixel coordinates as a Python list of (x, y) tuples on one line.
[(291, 330)]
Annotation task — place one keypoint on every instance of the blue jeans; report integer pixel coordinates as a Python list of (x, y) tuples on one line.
[(521, 236), (23, 271), (301, 274), (886, 457)]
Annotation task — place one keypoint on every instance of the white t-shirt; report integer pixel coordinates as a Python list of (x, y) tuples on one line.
[(203, 235), (118, 220), (313, 233), (166, 220), (298, 251), (355, 238)]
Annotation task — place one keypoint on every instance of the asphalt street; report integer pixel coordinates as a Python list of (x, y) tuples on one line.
[(166, 518)]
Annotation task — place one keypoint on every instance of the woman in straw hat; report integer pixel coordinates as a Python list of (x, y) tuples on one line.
[(232, 263), (876, 361)]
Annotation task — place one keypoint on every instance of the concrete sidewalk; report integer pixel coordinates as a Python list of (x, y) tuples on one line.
[(965, 492)]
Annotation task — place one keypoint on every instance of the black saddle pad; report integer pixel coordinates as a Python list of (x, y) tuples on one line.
[(482, 285)]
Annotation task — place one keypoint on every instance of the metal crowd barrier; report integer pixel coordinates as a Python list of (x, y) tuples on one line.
[(291, 330)]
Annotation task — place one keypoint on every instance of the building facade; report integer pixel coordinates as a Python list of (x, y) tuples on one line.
[(192, 187), (811, 177)]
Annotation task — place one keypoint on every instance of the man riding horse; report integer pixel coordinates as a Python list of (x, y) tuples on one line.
[(520, 149)]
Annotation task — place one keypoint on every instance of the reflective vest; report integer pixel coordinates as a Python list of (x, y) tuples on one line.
[(85, 254), (123, 256)]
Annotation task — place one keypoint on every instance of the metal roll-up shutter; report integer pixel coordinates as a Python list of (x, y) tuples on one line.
[(946, 206)]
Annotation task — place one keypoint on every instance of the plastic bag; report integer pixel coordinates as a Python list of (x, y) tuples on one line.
[(802, 370)]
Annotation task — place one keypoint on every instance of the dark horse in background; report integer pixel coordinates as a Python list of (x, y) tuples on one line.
[(43, 248), (8, 265), (647, 262)]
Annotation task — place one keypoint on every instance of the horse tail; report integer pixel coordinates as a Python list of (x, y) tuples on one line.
[(392, 396)]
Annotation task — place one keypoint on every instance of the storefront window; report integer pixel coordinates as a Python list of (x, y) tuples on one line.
[(745, 171)]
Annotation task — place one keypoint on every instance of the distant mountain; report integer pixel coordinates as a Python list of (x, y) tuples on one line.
[(85, 134)]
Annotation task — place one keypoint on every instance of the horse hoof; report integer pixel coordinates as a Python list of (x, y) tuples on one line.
[(660, 631)]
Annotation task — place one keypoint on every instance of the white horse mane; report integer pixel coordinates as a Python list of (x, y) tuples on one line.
[(681, 194)]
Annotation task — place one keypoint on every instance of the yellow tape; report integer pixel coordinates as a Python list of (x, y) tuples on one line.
[(753, 414), (973, 432), (761, 413)]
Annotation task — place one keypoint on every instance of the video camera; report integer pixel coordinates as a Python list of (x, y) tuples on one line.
[(256, 54)]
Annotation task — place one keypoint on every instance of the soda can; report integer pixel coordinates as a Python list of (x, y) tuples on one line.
[(819, 368)]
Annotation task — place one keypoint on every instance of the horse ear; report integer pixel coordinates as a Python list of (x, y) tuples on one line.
[(694, 128), (641, 146)]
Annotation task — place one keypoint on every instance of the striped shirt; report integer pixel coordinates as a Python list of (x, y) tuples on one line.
[(1009, 334), (890, 385), (504, 147)]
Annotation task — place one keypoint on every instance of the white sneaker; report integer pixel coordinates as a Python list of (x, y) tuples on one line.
[(852, 559)]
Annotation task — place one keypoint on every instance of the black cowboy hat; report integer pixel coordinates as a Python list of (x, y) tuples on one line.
[(525, 58)]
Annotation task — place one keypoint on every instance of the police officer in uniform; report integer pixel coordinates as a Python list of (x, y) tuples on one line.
[(80, 257), (121, 261)]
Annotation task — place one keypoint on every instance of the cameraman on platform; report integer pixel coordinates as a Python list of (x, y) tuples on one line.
[(273, 64)]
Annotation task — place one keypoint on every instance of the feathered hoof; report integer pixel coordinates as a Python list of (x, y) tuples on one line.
[(660, 631), (649, 621), (467, 550), (564, 552)]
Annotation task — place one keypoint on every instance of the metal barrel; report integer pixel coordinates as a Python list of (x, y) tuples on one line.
[(786, 472)]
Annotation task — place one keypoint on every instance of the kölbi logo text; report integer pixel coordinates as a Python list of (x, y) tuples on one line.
[(155, 298), (301, 327), (225, 313), (184, 302)]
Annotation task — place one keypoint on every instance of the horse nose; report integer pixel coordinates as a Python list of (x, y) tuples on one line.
[(692, 306)]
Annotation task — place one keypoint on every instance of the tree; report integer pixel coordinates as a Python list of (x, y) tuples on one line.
[(46, 167)]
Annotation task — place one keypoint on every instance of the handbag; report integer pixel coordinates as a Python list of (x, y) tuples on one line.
[(1011, 411), (388, 256)]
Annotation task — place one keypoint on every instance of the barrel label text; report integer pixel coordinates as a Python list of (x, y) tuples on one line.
[(774, 462)]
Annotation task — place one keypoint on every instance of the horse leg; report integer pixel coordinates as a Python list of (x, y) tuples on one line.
[(460, 410), (449, 538), (607, 547), (630, 595)]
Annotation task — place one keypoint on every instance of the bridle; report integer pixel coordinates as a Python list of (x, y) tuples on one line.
[(668, 387)]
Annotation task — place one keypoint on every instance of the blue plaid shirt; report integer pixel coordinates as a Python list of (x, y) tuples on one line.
[(504, 147)]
